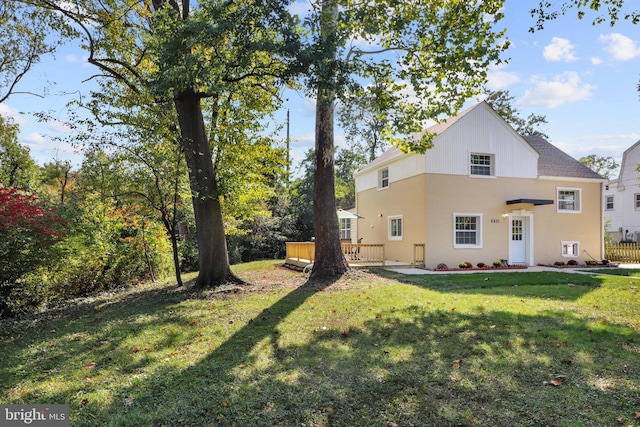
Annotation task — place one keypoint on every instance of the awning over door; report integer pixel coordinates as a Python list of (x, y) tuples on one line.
[(527, 203)]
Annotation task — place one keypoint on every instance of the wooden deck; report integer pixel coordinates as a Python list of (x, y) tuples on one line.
[(358, 255)]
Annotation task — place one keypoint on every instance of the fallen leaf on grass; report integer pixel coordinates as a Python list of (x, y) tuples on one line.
[(638, 415), (456, 363), (557, 381), (128, 400), (378, 316), (225, 404), (84, 402), (193, 323), (391, 424), (90, 365)]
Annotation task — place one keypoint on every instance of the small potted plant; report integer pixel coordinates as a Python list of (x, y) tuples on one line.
[(572, 262), (442, 266), (497, 263), (481, 265), (558, 263), (465, 264)]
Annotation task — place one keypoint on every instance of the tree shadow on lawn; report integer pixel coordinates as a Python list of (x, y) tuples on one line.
[(547, 285), (409, 366)]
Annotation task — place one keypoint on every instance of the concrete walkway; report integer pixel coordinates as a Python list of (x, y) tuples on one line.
[(534, 269)]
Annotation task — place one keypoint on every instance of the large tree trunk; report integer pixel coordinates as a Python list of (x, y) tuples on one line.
[(329, 260), (212, 243)]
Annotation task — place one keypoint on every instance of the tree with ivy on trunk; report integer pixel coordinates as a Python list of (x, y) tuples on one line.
[(433, 55)]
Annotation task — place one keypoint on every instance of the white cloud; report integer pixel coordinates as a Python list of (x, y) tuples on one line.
[(620, 46), (596, 61), (12, 114), (559, 50), (564, 88), (58, 126), (499, 79), (34, 139)]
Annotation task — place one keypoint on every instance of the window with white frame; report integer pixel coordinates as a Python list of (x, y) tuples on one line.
[(570, 249), (395, 227), (345, 228), (608, 203), (383, 178), (481, 165), (636, 199), (569, 200), (467, 230)]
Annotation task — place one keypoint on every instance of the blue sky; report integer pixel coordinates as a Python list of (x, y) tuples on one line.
[(583, 78)]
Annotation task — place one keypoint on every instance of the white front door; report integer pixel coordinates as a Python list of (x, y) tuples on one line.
[(518, 240)]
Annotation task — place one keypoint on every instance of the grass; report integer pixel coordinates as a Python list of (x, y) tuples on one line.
[(369, 350)]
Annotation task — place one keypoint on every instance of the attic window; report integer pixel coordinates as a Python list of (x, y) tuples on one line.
[(481, 164), (383, 178)]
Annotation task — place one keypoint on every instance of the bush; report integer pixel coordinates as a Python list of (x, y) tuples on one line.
[(28, 236), (465, 264), (558, 263), (481, 265), (442, 266), (572, 262), (497, 263)]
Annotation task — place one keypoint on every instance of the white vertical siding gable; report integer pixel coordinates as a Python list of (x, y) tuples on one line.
[(482, 131)]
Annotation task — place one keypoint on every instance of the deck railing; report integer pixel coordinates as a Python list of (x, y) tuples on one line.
[(623, 252), (354, 253), (363, 253), (418, 254), (301, 251)]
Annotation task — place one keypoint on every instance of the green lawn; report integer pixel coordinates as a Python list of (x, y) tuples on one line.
[(373, 349)]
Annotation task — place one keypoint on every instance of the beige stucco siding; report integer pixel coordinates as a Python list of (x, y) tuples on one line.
[(427, 204), (404, 198)]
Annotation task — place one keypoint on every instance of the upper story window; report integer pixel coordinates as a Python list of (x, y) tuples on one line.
[(395, 227), (467, 231), (569, 200), (636, 199), (482, 165), (608, 203), (383, 178)]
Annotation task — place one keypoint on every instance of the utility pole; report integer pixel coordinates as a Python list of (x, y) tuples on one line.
[(288, 153)]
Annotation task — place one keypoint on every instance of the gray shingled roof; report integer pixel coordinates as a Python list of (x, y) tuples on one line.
[(555, 162)]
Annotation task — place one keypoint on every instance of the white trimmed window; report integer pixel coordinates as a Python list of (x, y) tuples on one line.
[(570, 249), (467, 230), (608, 203), (395, 227), (636, 199), (383, 178), (481, 165), (345, 228), (569, 200)]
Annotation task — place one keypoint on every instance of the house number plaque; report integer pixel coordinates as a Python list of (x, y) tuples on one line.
[(495, 221)]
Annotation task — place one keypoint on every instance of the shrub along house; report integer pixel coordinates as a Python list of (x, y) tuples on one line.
[(482, 193)]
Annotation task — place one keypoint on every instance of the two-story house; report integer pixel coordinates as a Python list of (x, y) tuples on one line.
[(482, 193), (622, 199)]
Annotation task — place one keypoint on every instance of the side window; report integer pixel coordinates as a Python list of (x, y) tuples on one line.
[(345, 229), (467, 231), (609, 203), (569, 200), (395, 227)]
